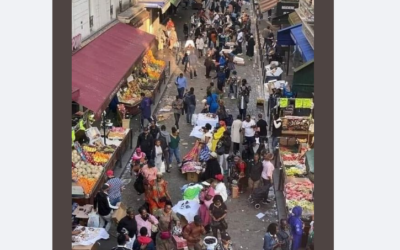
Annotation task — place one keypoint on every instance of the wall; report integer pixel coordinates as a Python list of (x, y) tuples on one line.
[(80, 18)]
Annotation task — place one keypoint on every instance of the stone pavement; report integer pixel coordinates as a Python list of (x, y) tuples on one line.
[(245, 228)]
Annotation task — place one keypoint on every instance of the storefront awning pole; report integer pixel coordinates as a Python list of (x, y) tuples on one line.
[(288, 59)]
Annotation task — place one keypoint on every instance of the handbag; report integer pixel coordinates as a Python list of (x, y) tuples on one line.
[(162, 167), (167, 234), (224, 224)]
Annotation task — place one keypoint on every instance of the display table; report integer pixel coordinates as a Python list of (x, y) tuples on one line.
[(203, 119), (189, 210), (197, 132), (82, 212), (88, 238)]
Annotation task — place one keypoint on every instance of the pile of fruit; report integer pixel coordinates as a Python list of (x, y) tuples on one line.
[(292, 159), (89, 149), (151, 66), (299, 190), (131, 94), (294, 171), (86, 175), (100, 158), (307, 206)]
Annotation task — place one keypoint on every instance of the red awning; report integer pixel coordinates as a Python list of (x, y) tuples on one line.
[(98, 69)]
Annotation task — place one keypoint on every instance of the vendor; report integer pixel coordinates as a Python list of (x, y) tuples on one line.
[(212, 167), (207, 136), (219, 132)]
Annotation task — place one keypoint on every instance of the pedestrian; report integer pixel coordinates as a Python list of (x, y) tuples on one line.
[(158, 155), (167, 219), (296, 227), (219, 187), (271, 241), (154, 130), (225, 143), (177, 107), (250, 47), (239, 41), (103, 207), (236, 130), (212, 167), (223, 5), (170, 24), (186, 2), (190, 103), (193, 21), (121, 241), (254, 171), (218, 211), (149, 172), (249, 130), (270, 37), (221, 77), (181, 83), (165, 139), (128, 223), (276, 130), (150, 222), (192, 60), (208, 63), (207, 136), (145, 142), (157, 195), (239, 174), (116, 187), (143, 241), (200, 45), (284, 235), (262, 128), (186, 30), (268, 170), (242, 105), (205, 197), (212, 102), (219, 130), (211, 88), (221, 112), (173, 38), (145, 108), (265, 34), (174, 147), (193, 232)]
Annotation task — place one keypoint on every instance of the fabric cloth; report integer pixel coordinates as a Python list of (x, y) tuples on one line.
[(145, 223), (212, 169), (220, 189), (189, 210), (191, 193), (204, 154)]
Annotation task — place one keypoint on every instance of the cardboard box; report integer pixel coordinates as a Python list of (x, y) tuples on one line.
[(119, 213), (90, 247), (180, 243), (192, 177)]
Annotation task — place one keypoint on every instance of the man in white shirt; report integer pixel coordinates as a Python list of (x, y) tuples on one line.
[(200, 45), (239, 43), (249, 130)]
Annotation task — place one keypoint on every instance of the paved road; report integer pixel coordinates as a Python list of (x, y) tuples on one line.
[(245, 228)]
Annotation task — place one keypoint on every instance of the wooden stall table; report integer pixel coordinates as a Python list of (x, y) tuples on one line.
[(82, 213)]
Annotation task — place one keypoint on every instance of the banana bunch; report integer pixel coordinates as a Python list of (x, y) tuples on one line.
[(89, 149)]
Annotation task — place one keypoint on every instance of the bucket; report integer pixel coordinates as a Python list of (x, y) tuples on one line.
[(210, 246), (235, 192)]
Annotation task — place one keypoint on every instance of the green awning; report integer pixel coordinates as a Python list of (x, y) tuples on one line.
[(303, 78), (280, 20), (175, 2)]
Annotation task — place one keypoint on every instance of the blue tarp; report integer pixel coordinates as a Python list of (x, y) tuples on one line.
[(293, 35)]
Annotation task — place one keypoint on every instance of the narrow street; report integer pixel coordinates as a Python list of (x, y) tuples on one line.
[(245, 228)]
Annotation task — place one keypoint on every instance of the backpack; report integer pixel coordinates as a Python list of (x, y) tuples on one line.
[(186, 100)]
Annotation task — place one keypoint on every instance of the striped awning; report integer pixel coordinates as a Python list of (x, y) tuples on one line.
[(266, 5)]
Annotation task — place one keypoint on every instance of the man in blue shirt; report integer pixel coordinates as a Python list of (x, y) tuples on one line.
[(181, 84)]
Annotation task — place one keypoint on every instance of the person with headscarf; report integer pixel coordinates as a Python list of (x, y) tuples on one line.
[(219, 187), (296, 227), (173, 38), (212, 102), (250, 47), (206, 198), (157, 194), (139, 156), (212, 167), (218, 135), (170, 24)]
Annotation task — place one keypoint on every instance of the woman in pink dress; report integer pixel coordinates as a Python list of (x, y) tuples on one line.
[(206, 198)]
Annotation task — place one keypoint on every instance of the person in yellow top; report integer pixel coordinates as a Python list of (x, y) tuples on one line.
[(217, 135)]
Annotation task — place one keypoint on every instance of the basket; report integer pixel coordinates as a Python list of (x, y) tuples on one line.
[(210, 246)]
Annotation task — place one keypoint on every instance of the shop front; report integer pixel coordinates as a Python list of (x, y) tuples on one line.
[(98, 71)]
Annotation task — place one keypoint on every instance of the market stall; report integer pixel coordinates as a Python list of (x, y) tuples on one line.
[(90, 161), (87, 238)]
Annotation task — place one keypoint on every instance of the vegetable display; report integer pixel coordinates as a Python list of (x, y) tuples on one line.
[(307, 206), (299, 190), (87, 184)]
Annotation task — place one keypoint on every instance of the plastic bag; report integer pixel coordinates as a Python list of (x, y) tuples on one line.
[(162, 167), (94, 220)]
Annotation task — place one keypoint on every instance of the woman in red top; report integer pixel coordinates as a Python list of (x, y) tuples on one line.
[(240, 170)]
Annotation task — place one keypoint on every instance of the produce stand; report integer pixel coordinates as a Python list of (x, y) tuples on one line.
[(119, 147)]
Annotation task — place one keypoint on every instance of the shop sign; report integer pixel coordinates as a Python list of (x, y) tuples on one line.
[(307, 103), (283, 102), (298, 103), (286, 8), (76, 42)]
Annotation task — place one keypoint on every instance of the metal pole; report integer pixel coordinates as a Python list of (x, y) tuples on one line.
[(287, 65)]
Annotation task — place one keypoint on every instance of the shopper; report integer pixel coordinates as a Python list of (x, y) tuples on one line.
[(219, 187), (157, 195), (158, 155), (225, 143), (242, 105), (276, 131), (144, 219), (255, 169), (167, 219), (143, 241), (121, 241), (174, 147), (181, 84), (177, 107), (219, 130), (236, 129), (212, 167), (262, 128), (193, 60), (225, 243), (284, 235), (116, 187), (249, 130), (205, 197), (209, 64), (128, 223), (250, 47), (296, 227), (240, 39), (207, 136), (145, 142), (221, 112), (193, 232), (218, 211), (212, 102), (211, 88), (165, 138), (173, 38), (271, 241), (270, 37), (200, 45), (190, 102), (149, 172), (145, 108), (267, 172), (154, 130), (264, 34), (103, 207), (139, 156)]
